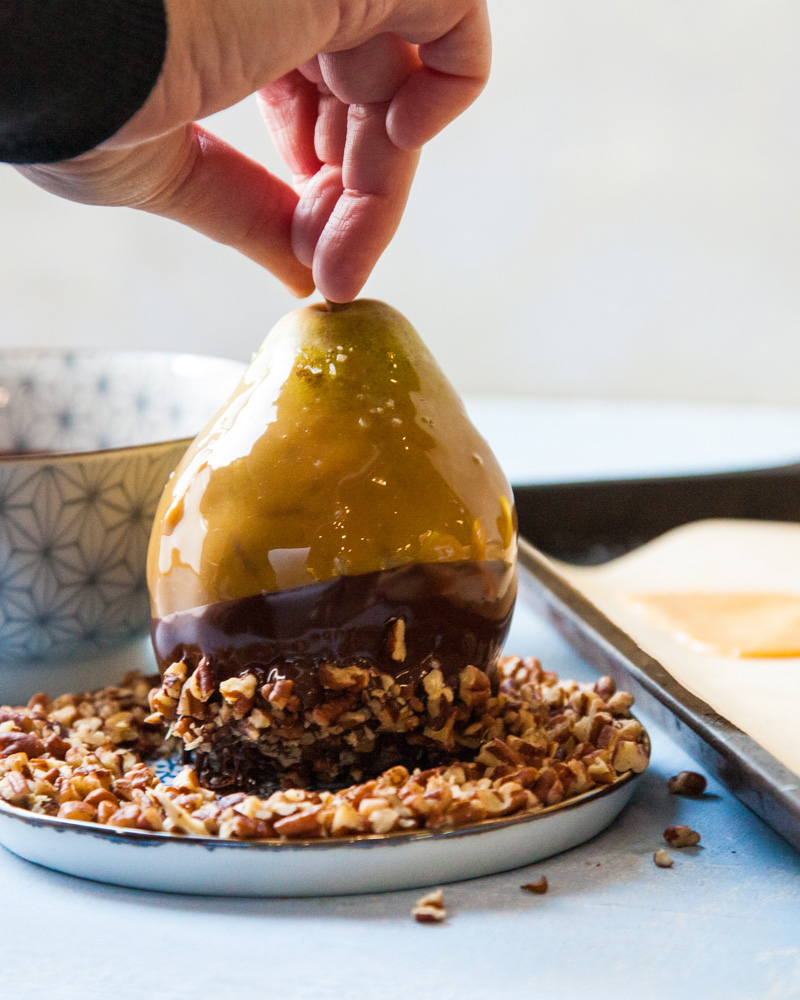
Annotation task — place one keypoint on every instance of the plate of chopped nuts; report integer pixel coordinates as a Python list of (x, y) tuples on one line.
[(88, 781)]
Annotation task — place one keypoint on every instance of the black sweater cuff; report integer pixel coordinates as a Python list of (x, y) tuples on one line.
[(72, 72)]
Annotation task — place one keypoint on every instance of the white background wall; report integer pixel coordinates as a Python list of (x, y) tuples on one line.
[(619, 214)]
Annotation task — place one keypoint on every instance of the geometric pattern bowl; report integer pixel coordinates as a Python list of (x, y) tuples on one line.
[(87, 442)]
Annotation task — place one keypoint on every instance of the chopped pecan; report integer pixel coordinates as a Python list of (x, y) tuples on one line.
[(474, 687), (343, 678), (539, 887), (12, 742), (303, 823), (77, 810), (279, 692), (620, 703), (681, 836), (396, 641), (173, 679), (688, 783), (430, 909), (40, 703), (14, 788), (239, 693), (436, 690), (605, 688), (56, 747), (533, 741), (630, 756)]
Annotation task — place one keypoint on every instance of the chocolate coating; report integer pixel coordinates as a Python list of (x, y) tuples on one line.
[(456, 613)]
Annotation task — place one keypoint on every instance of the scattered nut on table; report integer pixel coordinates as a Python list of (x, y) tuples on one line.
[(663, 858), (429, 909), (687, 783), (539, 887), (681, 836)]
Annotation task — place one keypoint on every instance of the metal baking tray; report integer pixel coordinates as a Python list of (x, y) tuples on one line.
[(592, 522)]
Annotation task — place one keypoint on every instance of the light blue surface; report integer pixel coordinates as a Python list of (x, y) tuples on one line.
[(723, 923)]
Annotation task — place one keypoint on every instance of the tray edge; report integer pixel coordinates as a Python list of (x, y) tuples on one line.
[(760, 781)]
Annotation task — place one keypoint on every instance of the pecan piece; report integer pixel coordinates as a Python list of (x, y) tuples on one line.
[(173, 679), (436, 690), (396, 641), (474, 687), (688, 783), (681, 836), (303, 823), (279, 692), (630, 756), (429, 909), (239, 693), (539, 887), (56, 747), (15, 789), (605, 687), (40, 703), (343, 678), (77, 810), (11, 743)]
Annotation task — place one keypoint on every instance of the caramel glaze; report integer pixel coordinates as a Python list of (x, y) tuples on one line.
[(456, 613), (344, 451)]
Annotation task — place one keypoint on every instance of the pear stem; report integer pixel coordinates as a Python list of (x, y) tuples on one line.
[(335, 306)]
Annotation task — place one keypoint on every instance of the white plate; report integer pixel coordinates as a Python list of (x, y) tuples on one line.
[(207, 866)]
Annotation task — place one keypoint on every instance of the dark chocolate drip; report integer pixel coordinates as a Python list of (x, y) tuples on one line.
[(456, 613)]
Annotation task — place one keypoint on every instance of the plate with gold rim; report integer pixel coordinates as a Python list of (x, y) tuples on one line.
[(321, 867)]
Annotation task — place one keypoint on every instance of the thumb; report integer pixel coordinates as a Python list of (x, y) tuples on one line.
[(225, 195)]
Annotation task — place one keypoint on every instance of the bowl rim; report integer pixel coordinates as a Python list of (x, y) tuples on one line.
[(45, 457)]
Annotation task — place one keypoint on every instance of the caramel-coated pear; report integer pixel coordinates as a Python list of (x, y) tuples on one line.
[(343, 451)]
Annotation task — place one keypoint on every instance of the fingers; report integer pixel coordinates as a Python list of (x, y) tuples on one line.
[(376, 177), (400, 97), (330, 135), (350, 209), (370, 73), (317, 202), (312, 145), (454, 70), (319, 195), (218, 191), (289, 106)]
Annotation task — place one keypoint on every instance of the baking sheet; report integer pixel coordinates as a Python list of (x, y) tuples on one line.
[(593, 522)]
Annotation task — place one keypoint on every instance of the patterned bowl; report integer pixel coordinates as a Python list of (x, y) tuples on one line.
[(88, 440)]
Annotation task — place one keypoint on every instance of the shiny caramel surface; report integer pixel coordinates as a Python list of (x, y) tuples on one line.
[(344, 450)]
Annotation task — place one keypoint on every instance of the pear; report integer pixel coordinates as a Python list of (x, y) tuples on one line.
[(343, 451), (333, 564)]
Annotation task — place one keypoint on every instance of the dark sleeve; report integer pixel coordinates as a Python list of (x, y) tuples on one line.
[(72, 72)]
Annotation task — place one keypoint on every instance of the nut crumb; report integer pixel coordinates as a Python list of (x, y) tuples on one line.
[(681, 836), (663, 859), (687, 783), (429, 909), (539, 887)]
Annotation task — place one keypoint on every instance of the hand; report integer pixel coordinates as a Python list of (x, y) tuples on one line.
[(349, 89)]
